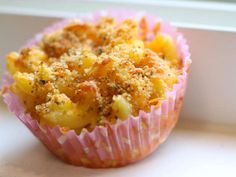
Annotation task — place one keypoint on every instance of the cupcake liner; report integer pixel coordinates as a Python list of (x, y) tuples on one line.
[(116, 144)]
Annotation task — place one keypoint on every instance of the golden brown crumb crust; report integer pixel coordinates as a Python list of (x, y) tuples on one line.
[(89, 74)]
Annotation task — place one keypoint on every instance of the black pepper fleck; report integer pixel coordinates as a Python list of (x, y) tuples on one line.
[(42, 82)]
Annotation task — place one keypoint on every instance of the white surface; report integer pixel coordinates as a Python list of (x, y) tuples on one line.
[(189, 152), (211, 92), (211, 14)]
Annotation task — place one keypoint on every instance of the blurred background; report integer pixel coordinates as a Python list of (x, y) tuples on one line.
[(204, 141)]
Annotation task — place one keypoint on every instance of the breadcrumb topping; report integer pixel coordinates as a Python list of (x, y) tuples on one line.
[(86, 74)]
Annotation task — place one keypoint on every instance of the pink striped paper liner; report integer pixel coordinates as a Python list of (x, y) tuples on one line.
[(121, 143)]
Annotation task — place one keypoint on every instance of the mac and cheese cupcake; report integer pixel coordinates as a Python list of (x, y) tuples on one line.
[(102, 90)]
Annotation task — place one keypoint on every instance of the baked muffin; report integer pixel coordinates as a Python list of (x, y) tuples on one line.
[(103, 91)]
